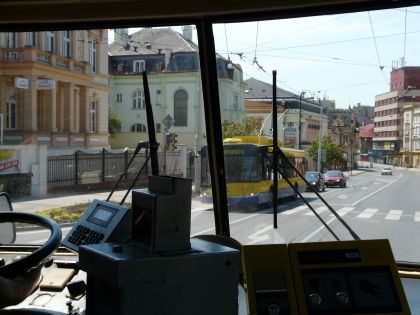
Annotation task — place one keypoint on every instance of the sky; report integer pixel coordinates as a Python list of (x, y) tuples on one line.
[(347, 58)]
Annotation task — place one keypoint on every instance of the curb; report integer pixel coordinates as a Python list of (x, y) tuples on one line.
[(37, 227)]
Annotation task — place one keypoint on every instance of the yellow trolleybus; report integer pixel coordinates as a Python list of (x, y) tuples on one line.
[(248, 167)]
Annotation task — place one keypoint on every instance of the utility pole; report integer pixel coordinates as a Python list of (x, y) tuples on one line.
[(318, 166), (302, 94)]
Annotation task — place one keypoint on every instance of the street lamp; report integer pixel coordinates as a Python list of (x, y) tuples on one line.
[(302, 94)]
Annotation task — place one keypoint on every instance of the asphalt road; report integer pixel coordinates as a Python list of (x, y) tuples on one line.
[(374, 206)]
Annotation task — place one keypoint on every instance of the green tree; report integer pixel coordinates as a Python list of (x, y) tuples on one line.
[(334, 152), (114, 122), (249, 127)]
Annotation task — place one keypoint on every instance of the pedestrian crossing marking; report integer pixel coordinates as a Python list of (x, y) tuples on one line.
[(343, 211), (394, 215), (318, 210), (294, 210), (367, 213)]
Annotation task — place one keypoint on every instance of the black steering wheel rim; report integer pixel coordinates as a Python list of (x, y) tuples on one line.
[(40, 255)]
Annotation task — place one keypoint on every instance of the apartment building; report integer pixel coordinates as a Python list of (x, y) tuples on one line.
[(397, 115), (54, 88)]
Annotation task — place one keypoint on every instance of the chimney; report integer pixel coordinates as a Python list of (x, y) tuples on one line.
[(168, 53), (121, 36), (187, 32)]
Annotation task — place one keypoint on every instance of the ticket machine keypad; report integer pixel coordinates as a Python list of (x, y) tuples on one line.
[(83, 235)]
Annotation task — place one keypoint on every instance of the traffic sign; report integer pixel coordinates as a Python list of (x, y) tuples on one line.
[(168, 121)]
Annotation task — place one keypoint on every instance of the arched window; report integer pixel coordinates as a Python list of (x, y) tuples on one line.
[(138, 100), (181, 108), (138, 128)]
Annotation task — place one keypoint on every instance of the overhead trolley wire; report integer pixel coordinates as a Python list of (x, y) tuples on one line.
[(376, 48)]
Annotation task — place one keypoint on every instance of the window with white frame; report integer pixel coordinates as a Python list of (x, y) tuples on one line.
[(50, 41), (30, 39), (346, 140), (11, 40), (66, 43), (11, 109), (416, 131), (93, 117), (235, 102), (416, 118), (158, 99), (92, 56), (138, 128), (138, 100), (119, 97), (416, 144), (139, 66)]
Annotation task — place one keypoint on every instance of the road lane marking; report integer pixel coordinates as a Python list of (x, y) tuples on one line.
[(294, 210), (394, 215), (343, 197), (417, 216), (367, 213), (322, 227), (318, 210), (376, 191), (364, 187), (230, 222), (260, 236)]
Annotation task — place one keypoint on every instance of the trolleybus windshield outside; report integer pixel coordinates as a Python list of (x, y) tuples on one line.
[(72, 114), (243, 82)]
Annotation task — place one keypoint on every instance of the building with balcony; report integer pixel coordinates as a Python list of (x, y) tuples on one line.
[(54, 88), (397, 116), (171, 60), (410, 152)]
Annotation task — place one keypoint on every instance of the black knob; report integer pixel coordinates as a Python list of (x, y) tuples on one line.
[(341, 298), (314, 299)]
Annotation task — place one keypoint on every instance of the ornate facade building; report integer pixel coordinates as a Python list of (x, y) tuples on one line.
[(171, 60), (54, 88)]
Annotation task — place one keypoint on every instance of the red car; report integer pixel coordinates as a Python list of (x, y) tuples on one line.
[(335, 178)]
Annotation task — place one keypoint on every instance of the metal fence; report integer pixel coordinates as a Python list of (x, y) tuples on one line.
[(91, 168)]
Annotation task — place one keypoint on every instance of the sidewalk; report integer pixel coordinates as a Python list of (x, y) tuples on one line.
[(31, 204), (34, 204)]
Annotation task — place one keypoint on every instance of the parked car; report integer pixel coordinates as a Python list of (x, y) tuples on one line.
[(386, 170), (335, 178), (316, 180)]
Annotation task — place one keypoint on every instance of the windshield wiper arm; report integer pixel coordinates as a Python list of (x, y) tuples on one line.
[(339, 218)]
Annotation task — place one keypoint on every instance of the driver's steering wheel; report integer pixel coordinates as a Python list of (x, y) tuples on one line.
[(40, 255)]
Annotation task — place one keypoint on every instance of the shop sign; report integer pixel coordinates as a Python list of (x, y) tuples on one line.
[(9, 162), (45, 84)]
